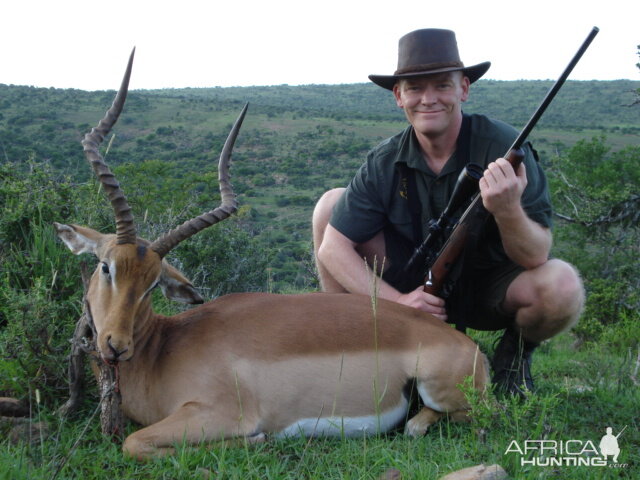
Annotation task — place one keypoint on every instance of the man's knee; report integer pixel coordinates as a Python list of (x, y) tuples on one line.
[(567, 284), (561, 291), (324, 207), (548, 298)]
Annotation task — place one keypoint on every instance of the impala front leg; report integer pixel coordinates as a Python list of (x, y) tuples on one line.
[(193, 423), (418, 425)]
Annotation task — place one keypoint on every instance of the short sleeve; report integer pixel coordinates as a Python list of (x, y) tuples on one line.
[(360, 214), (535, 198)]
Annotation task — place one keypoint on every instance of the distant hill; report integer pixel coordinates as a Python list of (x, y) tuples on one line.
[(297, 142), (49, 123), (586, 104)]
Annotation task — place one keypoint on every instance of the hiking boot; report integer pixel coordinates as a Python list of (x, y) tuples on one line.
[(512, 364)]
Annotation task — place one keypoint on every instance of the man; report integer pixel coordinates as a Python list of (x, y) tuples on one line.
[(507, 281), (609, 445)]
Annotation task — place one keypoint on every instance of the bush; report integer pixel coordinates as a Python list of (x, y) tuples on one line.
[(595, 193), (40, 288), (223, 259), (606, 311)]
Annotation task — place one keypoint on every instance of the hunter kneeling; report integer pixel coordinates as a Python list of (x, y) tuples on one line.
[(506, 280)]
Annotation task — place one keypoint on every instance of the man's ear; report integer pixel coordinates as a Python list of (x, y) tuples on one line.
[(397, 96), (79, 239), (176, 287), (465, 84)]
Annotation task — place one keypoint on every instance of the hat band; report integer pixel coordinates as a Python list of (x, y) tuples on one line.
[(427, 67)]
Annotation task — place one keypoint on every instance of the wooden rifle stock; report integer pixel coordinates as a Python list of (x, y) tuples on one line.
[(471, 219), (475, 214)]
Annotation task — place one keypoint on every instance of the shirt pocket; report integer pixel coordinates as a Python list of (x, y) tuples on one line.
[(400, 220)]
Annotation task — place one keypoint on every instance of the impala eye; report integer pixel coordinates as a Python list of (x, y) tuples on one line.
[(105, 268)]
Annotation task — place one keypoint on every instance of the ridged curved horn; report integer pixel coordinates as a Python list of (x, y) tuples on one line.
[(125, 227), (228, 204)]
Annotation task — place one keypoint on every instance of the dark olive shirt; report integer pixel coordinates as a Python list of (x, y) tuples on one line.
[(376, 198)]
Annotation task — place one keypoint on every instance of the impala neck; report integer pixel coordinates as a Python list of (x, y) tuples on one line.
[(145, 330)]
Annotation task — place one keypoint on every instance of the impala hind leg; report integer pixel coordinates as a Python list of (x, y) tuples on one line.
[(192, 424), (418, 425)]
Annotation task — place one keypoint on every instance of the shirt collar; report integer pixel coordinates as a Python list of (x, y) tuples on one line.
[(410, 153)]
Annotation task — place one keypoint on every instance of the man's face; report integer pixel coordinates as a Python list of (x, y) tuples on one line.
[(433, 103)]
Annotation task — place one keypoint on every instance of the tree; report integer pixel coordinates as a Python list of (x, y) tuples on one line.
[(597, 200)]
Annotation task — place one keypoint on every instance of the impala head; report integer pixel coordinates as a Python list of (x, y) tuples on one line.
[(129, 267)]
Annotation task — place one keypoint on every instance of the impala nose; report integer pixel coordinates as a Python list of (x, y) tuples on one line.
[(115, 351)]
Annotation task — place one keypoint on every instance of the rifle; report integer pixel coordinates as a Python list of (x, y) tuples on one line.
[(625, 427), (467, 185)]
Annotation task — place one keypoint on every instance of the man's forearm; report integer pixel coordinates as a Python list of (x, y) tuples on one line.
[(339, 256), (525, 242)]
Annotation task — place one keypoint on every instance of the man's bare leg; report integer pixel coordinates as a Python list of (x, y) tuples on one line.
[(545, 300), (372, 251), (319, 222)]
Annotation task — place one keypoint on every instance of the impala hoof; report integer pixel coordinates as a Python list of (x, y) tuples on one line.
[(415, 428)]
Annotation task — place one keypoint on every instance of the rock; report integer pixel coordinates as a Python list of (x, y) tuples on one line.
[(479, 472), (204, 473), (391, 474), (11, 407), (23, 430)]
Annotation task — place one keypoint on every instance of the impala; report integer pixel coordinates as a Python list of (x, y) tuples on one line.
[(256, 364)]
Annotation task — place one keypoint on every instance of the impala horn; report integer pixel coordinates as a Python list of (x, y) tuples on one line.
[(125, 227), (228, 204)]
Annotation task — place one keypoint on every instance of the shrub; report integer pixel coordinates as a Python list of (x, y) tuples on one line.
[(40, 288)]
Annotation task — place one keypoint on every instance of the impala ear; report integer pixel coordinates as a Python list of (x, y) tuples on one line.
[(176, 287), (78, 239)]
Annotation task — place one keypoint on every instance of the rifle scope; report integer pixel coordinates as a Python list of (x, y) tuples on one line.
[(466, 186)]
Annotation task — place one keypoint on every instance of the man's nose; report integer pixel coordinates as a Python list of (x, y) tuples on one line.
[(428, 96)]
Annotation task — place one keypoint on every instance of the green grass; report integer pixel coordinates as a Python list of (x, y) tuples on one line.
[(580, 393)]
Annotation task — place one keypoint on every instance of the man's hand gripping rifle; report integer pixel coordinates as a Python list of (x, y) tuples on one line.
[(439, 265)]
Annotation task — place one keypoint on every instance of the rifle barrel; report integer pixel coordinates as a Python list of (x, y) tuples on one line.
[(451, 250), (554, 90)]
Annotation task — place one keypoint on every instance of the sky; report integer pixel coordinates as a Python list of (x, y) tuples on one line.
[(196, 43)]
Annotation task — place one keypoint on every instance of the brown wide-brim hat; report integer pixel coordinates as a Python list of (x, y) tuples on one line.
[(425, 52)]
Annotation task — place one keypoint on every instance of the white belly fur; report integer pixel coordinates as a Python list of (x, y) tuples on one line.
[(348, 426), (428, 400)]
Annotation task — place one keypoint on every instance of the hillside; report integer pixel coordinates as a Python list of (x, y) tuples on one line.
[(296, 143), (579, 104)]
